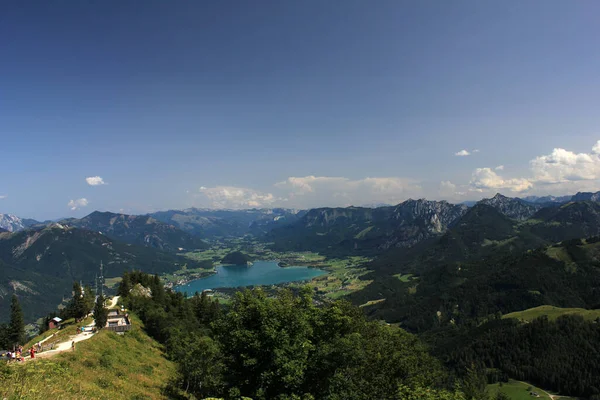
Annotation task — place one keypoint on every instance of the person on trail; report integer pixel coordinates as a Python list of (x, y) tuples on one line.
[(32, 352), (73, 345)]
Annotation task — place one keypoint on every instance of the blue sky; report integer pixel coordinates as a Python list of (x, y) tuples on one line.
[(300, 104)]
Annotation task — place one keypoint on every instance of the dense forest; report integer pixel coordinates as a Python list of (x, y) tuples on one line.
[(561, 355), (287, 347)]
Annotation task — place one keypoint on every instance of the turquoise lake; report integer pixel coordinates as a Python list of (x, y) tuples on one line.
[(261, 273)]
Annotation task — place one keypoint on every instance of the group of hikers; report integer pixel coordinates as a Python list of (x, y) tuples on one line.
[(18, 354)]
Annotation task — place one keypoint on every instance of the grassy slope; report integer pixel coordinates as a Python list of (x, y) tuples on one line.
[(107, 366), (518, 391), (552, 313), (69, 328)]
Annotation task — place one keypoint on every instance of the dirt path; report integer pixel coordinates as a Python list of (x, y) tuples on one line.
[(67, 344), (114, 301), (63, 346)]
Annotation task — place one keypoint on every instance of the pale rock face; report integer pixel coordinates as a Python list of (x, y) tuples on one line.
[(422, 219), (403, 225), (11, 223)]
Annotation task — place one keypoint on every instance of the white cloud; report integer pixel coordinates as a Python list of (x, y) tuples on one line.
[(475, 150), (77, 204), (234, 197), (3, 197), (560, 172), (312, 191), (447, 189), (95, 181), (462, 153), (565, 166), (486, 179)]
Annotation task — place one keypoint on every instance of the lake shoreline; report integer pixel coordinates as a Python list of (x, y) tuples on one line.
[(262, 273)]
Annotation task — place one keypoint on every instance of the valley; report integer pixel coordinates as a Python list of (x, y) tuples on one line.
[(342, 275), (456, 276)]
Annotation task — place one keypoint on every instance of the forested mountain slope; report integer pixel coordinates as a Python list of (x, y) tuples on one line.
[(359, 230), (141, 230), (488, 263), (565, 275), (40, 265), (227, 223)]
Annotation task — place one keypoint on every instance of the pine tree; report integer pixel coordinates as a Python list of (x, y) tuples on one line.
[(16, 328), (125, 285), (77, 307), (89, 299), (4, 336), (100, 313)]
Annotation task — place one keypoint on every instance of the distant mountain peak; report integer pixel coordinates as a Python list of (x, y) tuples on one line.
[(511, 207), (12, 223)]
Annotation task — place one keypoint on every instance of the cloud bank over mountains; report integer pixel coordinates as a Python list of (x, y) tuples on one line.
[(560, 172), (309, 191)]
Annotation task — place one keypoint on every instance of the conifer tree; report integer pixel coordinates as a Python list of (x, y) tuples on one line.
[(77, 307), (16, 328), (100, 313), (89, 298), (125, 285)]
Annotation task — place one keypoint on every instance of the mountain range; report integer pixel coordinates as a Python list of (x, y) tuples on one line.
[(366, 230), (227, 223), (486, 263), (141, 230), (39, 261)]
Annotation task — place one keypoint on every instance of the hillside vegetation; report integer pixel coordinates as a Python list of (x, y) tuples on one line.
[(107, 366), (236, 258), (552, 313), (40, 265), (285, 348)]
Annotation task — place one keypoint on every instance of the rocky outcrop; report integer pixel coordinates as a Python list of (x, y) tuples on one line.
[(512, 207)]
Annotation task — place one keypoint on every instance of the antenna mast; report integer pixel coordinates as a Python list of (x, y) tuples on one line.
[(101, 279)]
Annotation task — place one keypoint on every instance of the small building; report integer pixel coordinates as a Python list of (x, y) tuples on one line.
[(118, 321), (54, 323)]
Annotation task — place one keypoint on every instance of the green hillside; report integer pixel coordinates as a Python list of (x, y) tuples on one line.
[(107, 366), (40, 265), (552, 313)]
